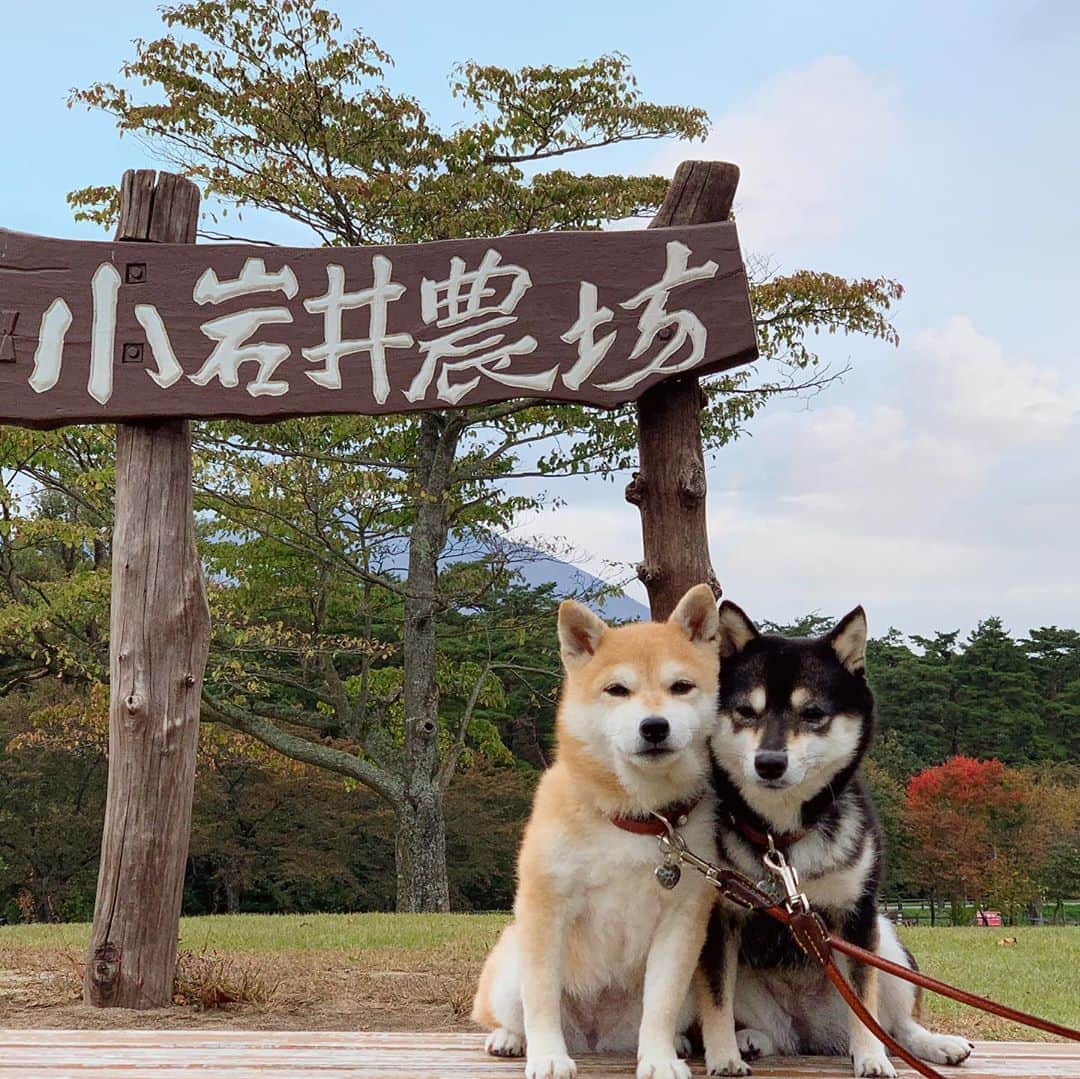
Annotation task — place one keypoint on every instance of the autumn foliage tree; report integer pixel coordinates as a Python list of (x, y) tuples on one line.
[(964, 818), (1049, 839), (268, 834)]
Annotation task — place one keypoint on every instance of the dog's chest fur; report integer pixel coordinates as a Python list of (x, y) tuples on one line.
[(839, 865), (614, 903)]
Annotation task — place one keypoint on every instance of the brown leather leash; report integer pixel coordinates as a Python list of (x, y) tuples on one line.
[(813, 937)]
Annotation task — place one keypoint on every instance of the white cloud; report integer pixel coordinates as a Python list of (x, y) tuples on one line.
[(947, 497), (987, 394), (958, 409), (808, 143)]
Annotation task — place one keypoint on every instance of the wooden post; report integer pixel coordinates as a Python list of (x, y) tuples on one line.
[(669, 488), (158, 642)]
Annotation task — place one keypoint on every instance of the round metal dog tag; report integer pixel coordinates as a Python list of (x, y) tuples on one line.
[(668, 875)]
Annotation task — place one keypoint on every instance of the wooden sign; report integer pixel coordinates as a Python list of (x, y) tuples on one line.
[(103, 332)]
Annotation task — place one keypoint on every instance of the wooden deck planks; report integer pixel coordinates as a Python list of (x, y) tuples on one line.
[(237, 1054)]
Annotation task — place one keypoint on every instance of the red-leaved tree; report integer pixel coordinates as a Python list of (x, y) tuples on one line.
[(964, 817)]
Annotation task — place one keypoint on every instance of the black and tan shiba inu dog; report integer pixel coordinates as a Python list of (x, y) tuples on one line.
[(795, 718)]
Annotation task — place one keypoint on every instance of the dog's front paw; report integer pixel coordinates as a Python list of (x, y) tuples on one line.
[(873, 1066), (505, 1043), (662, 1068), (550, 1067), (754, 1043), (727, 1066), (946, 1049)]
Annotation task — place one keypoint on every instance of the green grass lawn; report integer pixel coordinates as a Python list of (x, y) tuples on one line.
[(1040, 973), (291, 932)]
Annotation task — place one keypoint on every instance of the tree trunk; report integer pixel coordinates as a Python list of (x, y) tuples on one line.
[(669, 486), (525, 742), (159, 638), (956, 911), (420, 853), (421, 840)]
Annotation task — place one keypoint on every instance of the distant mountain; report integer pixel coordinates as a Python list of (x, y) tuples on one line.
[(539, 567), (535, 567)]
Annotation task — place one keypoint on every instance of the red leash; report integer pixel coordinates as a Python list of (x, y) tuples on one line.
[(813, 937), (943, 989)]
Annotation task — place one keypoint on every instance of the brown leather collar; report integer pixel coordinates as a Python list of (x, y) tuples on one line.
[(761, 839), (649, 825)]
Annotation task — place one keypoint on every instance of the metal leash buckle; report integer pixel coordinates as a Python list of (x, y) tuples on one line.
[(672, 848), (795, 900)]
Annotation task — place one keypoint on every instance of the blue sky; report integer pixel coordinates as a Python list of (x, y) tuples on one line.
[(932, 143)]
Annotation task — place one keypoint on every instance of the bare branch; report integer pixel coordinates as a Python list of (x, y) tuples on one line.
[(307, 752), (450, 762)]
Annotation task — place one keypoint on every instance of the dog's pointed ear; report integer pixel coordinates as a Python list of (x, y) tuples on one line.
[(579, 633), (736, 629), (696, 614), (848, 640)]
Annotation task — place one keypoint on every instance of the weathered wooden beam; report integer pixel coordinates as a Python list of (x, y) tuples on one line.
[(158, 642), (164, 210), (669, 486)]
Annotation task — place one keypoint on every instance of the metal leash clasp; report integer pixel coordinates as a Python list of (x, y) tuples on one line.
[(674, 851), (795, 899), (671, 843), (672, 848)]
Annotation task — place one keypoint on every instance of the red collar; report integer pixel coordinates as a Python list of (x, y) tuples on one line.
[(761, 839), (675, 815)]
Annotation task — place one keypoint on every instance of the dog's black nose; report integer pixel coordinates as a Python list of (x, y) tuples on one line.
[(770, 763), (654, 729)]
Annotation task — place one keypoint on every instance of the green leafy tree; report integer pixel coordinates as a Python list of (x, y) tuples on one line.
[(999, 697), (312, 649), (273, 106), (54, 554), (917, 695), (1059, 874), (810, 625), (52, 796), (888, 795), (1054, 655)]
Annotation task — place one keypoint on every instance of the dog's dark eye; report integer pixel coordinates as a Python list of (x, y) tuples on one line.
[(812, 715), (682, 687), (746, 712), (617, 690)]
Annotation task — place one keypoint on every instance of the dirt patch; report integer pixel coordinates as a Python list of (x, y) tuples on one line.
[(426, 989), (312, 990)]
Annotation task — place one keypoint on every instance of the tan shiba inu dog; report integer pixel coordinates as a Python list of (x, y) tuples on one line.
[(599, 956)]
